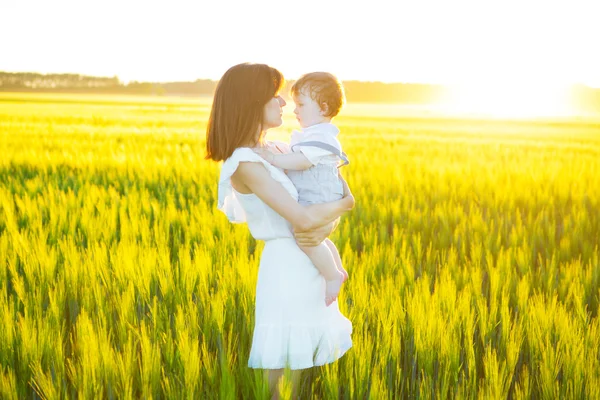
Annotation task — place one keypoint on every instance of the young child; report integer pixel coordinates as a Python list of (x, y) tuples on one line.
[(313, 163)]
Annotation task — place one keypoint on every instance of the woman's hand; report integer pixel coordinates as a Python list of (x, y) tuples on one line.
[(349, 201), (348, 197), (315, 236)]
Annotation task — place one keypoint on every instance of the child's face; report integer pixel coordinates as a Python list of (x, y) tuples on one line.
[(308, 112)]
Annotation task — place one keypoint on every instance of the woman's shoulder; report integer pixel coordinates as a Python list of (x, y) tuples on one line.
[(239, 155), (244, 157), (242, 154)]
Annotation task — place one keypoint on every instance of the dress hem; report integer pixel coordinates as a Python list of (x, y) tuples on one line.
[(301, 366)]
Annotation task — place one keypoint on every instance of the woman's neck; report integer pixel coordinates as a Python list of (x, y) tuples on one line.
[(260, 141)]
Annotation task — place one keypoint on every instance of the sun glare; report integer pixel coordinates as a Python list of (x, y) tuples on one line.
[(509, 101)]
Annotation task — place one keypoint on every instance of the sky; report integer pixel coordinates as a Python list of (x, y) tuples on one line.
[(479, 42)]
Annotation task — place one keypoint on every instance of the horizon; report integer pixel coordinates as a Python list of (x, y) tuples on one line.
[(494, 99), (286, 78)]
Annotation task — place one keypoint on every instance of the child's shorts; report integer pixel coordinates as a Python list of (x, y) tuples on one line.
[(318, 184)]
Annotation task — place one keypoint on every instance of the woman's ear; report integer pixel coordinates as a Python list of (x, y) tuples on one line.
[(324, 108)]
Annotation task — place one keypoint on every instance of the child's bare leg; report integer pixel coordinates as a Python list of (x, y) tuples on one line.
[(337, 258), (322, 258)]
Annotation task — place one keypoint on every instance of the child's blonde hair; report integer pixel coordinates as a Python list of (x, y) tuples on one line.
[(322, 87)]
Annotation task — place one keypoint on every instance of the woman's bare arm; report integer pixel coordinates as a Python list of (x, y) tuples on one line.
[(257, 179)]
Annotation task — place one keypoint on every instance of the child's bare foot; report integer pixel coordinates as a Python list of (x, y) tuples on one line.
[(332, 289), (345, 273)]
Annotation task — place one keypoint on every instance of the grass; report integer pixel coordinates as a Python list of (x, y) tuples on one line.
[(473, 255)]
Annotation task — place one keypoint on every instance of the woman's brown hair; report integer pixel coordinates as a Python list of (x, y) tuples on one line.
[(237, 109)]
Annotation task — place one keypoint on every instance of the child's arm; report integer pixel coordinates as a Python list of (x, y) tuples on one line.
[(293, 161)]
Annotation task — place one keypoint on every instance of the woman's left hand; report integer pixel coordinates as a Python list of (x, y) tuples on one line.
[(315, 236), (348, 197)]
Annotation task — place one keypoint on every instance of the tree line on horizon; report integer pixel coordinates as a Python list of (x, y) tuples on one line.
[(583, 97)]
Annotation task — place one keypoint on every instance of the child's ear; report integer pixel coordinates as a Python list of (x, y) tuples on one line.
[(324, 108)]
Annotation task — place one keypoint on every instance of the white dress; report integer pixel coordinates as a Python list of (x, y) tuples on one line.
[(293, 327)]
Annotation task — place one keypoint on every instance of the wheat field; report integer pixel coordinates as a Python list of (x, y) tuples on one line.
[(473, 254)]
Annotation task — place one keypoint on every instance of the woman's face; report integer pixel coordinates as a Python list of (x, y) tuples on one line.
[(273, 111)]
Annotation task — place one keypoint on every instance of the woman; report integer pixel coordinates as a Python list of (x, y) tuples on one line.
[(293, 326)]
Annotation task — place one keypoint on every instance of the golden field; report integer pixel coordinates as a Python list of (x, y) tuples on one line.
[(473, 255)]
